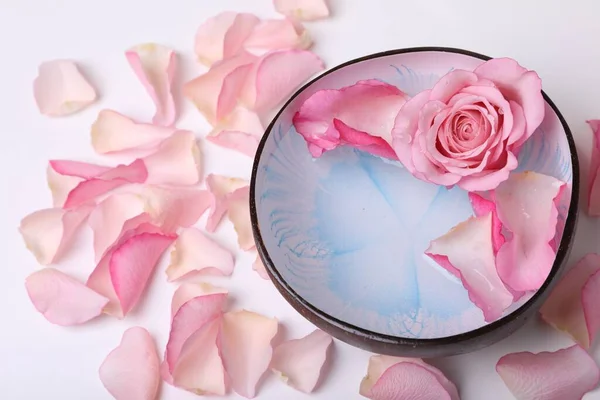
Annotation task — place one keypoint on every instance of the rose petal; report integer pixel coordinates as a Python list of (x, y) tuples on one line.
[(223, 35), (526, 207), (565, 308), (246, 348), (220, 188), (260, 269), (195, 252), (266, 86), (192, 314), (123, 273), (481, 207), (113, 132), (89, 189), (48, 233), (173, 208), (131, 371), (200, 367), (594, 172), (60, 89), (277, 34), (155, 67), (240, 131), (299, 361), (62, 299), (108, 218), (64, 176), (305, 10), (390, 378), (215, 93), (176, 162), (469, 250), (238, 212), (564, 374), (364, 141)]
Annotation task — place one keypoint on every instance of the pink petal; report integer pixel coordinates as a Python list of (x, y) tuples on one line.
[(131, 371), (266, 86), (176, 162), (61, 299), (526, 207), (469, 250), (299, 361), (260, 269), (155, 67), (48, 233), (60, 185), (594, 177), (361, 115), (564, 374), (305, 10), (222, 36), (565, 308), (60, 89), (391, 378), (482, 207), (220, 188), (238, 213), (89, 189), (200, 367), (215, 93), (195, 252), (246, 348), (113, 132), (123, 273), (277, 34), (240, 131), (589, 299), (188, 291)]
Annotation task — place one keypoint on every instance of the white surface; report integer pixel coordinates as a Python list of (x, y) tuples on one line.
[(40, 361)]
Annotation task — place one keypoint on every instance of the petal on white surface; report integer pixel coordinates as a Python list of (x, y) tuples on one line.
[(60, 89), (188, 291), (240, 131), (238, 212), (299, 361), (260, 269), (304, 10), (178, 161), (277, 34), (220, 187)]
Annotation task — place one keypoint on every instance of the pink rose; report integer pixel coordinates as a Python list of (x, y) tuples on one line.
[(468, 128)]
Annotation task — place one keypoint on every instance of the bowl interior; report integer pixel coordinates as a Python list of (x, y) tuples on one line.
[(347, 232)]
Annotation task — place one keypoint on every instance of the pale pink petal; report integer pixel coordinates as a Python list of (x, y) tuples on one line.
[(277, 34), (195, 252), (113, 132), (188, 291), (526, 207), (172, 208), (266, 86), (222, 36), (260, 269), (392, 378), (48, 233), (62, 299), (564, 374), (60, 89), (200, 367), (240, 131), (246, 349), (176, 162), (60, 185), (191, 316), (131, 371), (155, 67), (481, 207), (215, 93), (305, 10), (589, 299), (220, 188), (565, 309), (77, 168), (594, 172), (238, 212), (361, 115), (299, 362), (469, 250), (109, 216)]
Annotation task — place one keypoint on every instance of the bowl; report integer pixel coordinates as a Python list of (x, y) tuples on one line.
[(342, 236)]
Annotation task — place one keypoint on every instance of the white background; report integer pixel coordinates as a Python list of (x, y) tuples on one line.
[(560, 39)]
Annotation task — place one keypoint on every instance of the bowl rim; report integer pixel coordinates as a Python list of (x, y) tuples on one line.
[(375, 340)]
